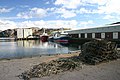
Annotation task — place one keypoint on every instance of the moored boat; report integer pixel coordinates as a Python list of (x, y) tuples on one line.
[(44, 37), (60, 37)]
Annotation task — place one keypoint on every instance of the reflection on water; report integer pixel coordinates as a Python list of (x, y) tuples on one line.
[(28, 48), (38, 44), (28, 44)]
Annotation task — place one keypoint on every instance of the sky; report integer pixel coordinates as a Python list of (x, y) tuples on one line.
[(74, 14)]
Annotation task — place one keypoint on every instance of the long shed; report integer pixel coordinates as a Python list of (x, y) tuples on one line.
[(105, 32)]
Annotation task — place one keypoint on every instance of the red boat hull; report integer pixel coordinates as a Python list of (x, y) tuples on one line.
[(61, 40), (44, 38)]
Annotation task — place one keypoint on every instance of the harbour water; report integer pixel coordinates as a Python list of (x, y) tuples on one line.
[(30, 48)]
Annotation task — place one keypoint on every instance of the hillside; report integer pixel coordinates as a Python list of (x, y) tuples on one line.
[(36, 31)]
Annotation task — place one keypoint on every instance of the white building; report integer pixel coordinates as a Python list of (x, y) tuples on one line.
[(107, 32), (24, 33)]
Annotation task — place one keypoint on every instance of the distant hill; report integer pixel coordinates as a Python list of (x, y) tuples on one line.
[(8, 33), (36, 31)]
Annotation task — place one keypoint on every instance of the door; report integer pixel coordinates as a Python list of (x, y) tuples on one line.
[(109, 35), (97, 35), (89, 35)]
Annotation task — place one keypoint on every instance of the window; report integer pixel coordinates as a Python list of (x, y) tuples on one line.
[(118, 35), (82, 35), (89, 35), (109, 35), (97, 35)]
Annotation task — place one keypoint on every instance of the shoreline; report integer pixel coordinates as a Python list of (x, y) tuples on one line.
[(71, 52), (10, 69)]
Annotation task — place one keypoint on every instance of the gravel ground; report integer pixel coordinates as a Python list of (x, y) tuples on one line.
[(9, 69)]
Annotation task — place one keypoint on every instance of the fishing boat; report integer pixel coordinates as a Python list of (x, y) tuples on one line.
[(44, 36), (60, 37)]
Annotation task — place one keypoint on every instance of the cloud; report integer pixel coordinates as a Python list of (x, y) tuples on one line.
[(47, 2), (94, 2), (6, 24), (5, 10), (103, 6), (51, 9), (74, 4), (85, 24), (70, 4), (111, 7), (84, 10), (61, 12), (33, 13), (49, 24), (100, 6), (65, 13), (108, 17)]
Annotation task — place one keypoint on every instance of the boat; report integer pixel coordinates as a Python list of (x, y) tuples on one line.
[(60, 37), (44, 37), (63, 39)]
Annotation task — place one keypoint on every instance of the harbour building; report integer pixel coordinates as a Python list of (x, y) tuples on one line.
[(24, 33), (109, 32)]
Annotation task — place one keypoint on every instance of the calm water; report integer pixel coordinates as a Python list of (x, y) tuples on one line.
[(20, 49)]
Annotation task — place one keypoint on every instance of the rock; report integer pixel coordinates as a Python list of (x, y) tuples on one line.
[(97, 51)]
